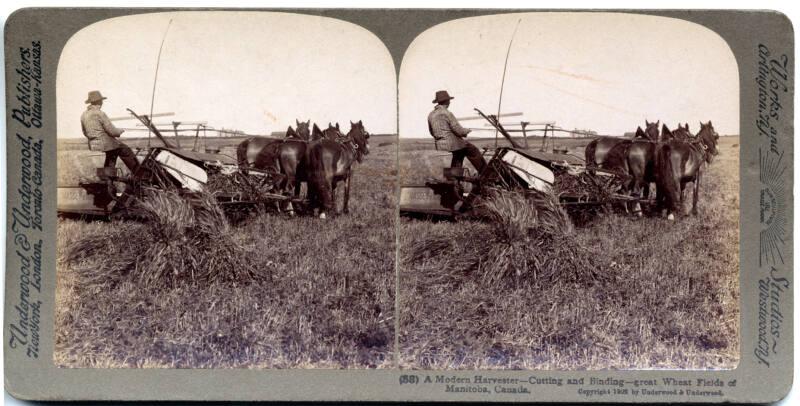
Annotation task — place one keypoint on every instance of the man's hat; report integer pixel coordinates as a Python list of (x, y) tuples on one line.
[(442, 96), (94, 96)]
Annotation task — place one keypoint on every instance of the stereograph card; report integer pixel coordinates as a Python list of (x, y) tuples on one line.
[(399, 205)]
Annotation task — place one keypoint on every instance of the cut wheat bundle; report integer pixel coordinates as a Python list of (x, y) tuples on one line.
[(588, 185), (250, 186), (181, 240), (529, 237)]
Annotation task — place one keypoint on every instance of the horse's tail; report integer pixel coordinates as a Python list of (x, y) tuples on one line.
[(319, 189), (667, 181), (591, 161), (241, 155)]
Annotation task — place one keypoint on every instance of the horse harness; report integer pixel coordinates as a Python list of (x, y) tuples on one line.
[(699, 146), (349, 142), (344, 140)]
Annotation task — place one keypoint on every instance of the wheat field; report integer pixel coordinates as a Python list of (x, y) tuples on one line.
[(617, 293), (316, 294)]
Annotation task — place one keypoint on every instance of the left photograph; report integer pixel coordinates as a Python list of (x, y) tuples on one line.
[(226, 193)]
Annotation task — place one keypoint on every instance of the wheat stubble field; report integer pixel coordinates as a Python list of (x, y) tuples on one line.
[(617, 293), (318, 294)]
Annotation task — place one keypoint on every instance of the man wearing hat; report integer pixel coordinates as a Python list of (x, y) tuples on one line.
[(103, 135), (449, 134)]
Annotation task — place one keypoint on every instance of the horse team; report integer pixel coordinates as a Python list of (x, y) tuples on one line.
[(670, 159), (321, 158)]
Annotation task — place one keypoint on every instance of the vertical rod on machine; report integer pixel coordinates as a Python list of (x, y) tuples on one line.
[(503, 81), (175, 125), (544, 139), (196, 137), (155, 79), (524, 125)]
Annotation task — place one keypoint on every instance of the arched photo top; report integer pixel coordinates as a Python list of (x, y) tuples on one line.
[(597, 71), (255, 72)]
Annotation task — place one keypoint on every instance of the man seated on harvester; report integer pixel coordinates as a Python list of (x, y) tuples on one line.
[(449, 134), (103, 135)]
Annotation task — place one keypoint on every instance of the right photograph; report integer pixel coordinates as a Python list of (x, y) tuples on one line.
[(569, 195)]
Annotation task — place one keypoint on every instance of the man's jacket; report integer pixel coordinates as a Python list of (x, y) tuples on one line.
[(98, 129), (446, 130)]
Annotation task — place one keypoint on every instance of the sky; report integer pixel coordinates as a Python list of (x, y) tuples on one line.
[(256, 72), (607, 72)]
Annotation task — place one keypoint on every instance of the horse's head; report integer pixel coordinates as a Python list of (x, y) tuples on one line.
[(360, 137), (708, 137), (651, 130), (303, 131), (682, 133), (332, 133)]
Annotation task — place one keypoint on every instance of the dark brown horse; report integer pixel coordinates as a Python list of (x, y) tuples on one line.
[(635, 159), (597, 150), (330, 162), (284, 156), (249, 149), (680, 162)]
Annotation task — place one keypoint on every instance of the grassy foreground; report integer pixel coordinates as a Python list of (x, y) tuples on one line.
[(620, 293), (323, 298)]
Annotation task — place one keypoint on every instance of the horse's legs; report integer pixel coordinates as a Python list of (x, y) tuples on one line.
[(346, 209), (641, 188), (290, 185), (333, 197), (659, 200), (287, 183), (326, 197), (637, 193), (670, 204), (297, 187), (696, 193), (281, 184), (683, 187), (630, 190), (669, 196), (312, 195)]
